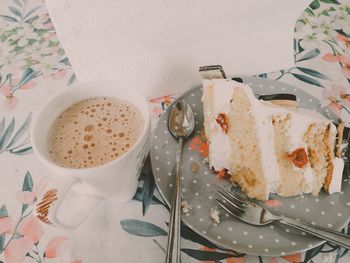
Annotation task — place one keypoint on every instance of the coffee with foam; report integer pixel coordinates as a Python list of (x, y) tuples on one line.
[(93, 132)]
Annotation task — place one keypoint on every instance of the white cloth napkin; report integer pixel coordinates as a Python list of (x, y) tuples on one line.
[(157, 46)]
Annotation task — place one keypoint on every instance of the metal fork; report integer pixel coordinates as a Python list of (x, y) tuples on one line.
[(255, 214)]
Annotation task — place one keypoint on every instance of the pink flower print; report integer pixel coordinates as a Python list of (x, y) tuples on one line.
[(31, 228), (55, 247), (42, 185), (156, 112), (50, 36), (17, 250), (48, 25), (44, 16), (15, 81), (28, 85), (344, 40), (59, 74), (6, 90), (56, 49), (293, 258), (29, 197), (10, 102), (346, 72), (273, 203), (7, 225), (335, 91), (335, 107), (26, 197), (331, 58), (345, 62), (337, 97)]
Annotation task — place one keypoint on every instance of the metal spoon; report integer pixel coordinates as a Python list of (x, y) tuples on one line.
[(181, 124)]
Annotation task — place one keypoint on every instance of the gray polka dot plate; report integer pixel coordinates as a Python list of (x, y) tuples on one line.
[(199, 187)]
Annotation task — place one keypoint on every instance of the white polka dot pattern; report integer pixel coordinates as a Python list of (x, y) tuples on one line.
[(199, 189)]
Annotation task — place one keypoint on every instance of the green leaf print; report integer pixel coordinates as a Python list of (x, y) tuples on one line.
[(340, 31), (28, 75), (27, 186), (18, 143), (312, 253), (31, 20), (148, 186), (207, 255), (2, 242), (9, 18), (2, 126), (138, 197), (17, 2), (23, 151), (141, 228), (309, 55), (15, 11), (309, 12), (315, 4), (31, 12), (297, 47), (3, 211), (71, 79), (189, 234), (330, 2), (326, 12), (312, 72), (7, 135), (20, 132), (307, 79), (28, 182)]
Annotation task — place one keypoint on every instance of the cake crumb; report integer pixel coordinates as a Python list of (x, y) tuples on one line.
[(194, 167), (223, 174), (215, 215), (185, 207)]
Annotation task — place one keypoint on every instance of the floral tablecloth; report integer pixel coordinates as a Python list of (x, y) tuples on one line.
[(33, 66)]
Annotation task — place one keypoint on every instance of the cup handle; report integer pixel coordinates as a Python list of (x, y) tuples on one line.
[(73, 206)]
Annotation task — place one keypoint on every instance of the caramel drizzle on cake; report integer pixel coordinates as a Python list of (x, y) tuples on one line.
[(329, 156), (299, 157), (222, 120)]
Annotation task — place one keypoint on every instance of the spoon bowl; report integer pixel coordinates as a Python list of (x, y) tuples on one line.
[(181, 120)]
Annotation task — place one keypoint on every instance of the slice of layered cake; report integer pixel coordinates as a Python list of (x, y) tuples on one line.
[(267, 148)]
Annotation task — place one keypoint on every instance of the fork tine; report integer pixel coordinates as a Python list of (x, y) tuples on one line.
[(240, 199), (231, 201), (230, 209)]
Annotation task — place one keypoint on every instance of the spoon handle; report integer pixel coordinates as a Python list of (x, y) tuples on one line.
[(174, 237)]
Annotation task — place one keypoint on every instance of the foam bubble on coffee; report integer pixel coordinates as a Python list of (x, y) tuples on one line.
[(93, 132)]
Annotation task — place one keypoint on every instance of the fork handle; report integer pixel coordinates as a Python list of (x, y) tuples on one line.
[(321, 232), (173, 246)]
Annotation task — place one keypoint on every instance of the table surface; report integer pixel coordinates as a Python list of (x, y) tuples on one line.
[(33, 67)]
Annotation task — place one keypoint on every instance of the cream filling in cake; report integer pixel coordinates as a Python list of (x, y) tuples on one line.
[(266, 148), (220, 103), (335, 185)]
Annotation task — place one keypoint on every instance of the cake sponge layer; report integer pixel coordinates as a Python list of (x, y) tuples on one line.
[(265, 148)]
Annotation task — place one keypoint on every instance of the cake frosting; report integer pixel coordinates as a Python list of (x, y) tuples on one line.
[(267, 148)]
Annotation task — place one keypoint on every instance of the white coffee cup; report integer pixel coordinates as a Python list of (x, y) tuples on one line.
[(116, 180)]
